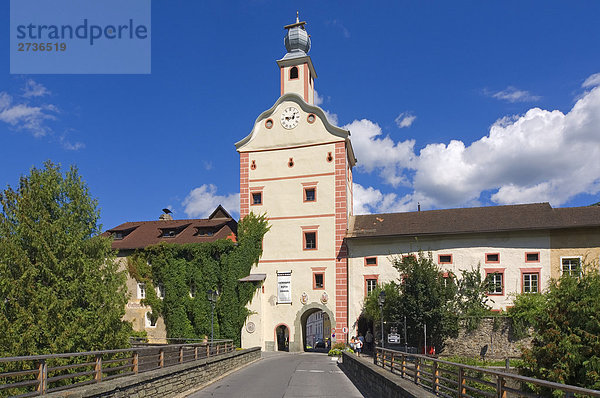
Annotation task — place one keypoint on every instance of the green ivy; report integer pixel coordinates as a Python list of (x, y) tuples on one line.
[(183, 269)]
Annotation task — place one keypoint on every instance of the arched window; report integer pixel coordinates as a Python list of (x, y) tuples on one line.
[(294, 73)]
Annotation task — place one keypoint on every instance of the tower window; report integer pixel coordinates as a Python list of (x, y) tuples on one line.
[(310, 194), (310, 240), (294, 73), (256, 198), (319, 280)]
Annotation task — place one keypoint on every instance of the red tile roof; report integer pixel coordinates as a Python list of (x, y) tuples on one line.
[(538, 216), (140, 234)]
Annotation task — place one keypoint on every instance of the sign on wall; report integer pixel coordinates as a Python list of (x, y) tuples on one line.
[(284, 287)]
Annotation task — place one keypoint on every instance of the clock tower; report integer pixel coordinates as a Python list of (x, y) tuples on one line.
[(296, 167), (297, 71)]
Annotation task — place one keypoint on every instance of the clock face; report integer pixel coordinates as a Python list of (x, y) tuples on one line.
[(290, 117)]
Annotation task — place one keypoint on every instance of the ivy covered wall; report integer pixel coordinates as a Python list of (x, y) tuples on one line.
[(186, 272)]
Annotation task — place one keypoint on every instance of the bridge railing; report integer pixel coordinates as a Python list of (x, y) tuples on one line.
[(28, 376), (449, 379)]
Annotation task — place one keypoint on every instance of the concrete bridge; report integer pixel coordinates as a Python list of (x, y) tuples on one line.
[(217, 369)]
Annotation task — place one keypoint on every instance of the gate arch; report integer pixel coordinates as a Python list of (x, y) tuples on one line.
[(300, 323)]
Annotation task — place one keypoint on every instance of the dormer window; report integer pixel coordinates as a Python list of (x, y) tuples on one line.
[(205, 232), (117, 235), (169, 233)]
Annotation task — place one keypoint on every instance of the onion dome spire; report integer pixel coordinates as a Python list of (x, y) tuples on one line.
[(297, 40)]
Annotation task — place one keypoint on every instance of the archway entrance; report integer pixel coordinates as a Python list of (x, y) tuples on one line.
[(282, 334), (315, 325)]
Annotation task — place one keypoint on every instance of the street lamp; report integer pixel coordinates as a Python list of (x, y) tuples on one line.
[(212, 298), (381, 301)]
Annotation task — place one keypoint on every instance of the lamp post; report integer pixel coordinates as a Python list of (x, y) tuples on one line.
[(381, 301), (212, 298)]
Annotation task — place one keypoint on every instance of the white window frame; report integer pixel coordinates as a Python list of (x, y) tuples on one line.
[(369, 290), (495, 283), (537, 284), (580, 258), (141, 291), (147, 320)]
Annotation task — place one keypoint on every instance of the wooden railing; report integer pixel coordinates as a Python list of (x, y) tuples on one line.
[(449, 379), (29, 376)]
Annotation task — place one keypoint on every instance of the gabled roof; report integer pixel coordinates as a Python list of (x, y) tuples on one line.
[(538, 216), (140, 234), (331, 129)]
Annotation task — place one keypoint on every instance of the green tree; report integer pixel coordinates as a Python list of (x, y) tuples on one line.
[(60, 289), (427, 298), (424, 296), (472, 298), (566, 343)]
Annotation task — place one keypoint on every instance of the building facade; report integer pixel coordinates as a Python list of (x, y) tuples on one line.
[(131, 236), (297, 169), (320, 261)]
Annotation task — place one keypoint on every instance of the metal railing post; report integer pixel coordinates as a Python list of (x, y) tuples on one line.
[(42, 377), (98, 369)]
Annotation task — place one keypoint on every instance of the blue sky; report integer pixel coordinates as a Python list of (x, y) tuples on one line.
[(450, 104)]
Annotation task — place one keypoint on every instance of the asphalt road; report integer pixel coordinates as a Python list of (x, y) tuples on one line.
[(284, 375)]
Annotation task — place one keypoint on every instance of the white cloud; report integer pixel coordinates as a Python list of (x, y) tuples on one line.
[(376, 152), (203, 200), (33, 89), (405, 119), (318, 99), (513, 94), (538, 156), (592, 81), (26, 117), (331, 117), (371, 200), (341, 27)]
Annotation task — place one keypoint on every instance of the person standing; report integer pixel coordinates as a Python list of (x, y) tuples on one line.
[(358, 344), (369, 341)]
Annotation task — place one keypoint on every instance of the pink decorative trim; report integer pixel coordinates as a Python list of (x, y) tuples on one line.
[(291, 177)]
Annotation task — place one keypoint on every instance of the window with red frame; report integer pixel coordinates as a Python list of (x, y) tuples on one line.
[(531, 282), (495, 283), (319, 280), (310, 240)]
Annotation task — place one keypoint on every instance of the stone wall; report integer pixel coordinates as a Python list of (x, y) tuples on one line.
[(375, 382), (172, 381), (497, 342)]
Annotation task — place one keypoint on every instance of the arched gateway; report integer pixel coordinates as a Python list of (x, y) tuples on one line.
[(300, 324)]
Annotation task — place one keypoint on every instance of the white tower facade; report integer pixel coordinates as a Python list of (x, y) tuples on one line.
[(296, 167)]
